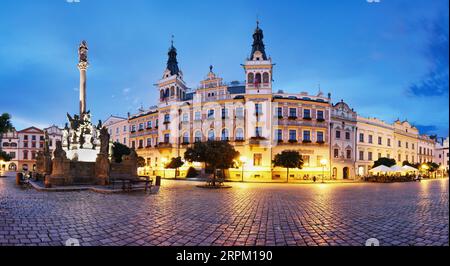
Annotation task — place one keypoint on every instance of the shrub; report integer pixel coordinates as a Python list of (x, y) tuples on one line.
[(191, 172)]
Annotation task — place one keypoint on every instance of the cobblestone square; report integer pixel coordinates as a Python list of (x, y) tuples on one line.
[(247, 214)]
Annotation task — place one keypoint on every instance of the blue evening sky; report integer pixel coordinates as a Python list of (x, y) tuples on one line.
[(386, 59)]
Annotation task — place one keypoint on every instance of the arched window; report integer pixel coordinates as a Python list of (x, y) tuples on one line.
[(211, 134), (186, 137), (258, 78), (250, 78), (224, 134), (13, 144), (5, 144), (172, 91), (178, 91), (166, 94), (198, 136), (239, 134), (265, 77), (161, 94)]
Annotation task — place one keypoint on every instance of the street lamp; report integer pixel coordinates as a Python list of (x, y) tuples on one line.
[(164, 161), (243, 160), (323, 162), (425, 168)]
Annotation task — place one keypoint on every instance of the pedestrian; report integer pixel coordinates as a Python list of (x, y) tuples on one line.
[(314, 179)]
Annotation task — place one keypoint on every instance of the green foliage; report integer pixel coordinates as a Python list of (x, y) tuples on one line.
[(288, 159), (191, 172), (118, 150), (140, 161), (384, 161), (4, 156), (432, 166), (215, 154), (174, 163), (5, 123), (407, 163)]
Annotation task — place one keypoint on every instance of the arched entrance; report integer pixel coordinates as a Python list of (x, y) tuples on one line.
[(345, 173), (334, 173), (12, 167)]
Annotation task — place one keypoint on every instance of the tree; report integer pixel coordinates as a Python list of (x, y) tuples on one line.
[(384, 161), (118, 150), (5, 126), (432, 166), (215, 154), (288, 159), (140, 161), (175, 163), (5, 123), (407, 163), (4, 156)]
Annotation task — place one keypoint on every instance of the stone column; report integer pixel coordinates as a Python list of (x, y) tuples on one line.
[(82, 66)]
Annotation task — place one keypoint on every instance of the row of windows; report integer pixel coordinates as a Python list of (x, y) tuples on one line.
[(426, 151), (33, 145), (25, 155), (338, 134), (348, 153), (306, 113), (293, 135), (380, 140), (7, 144), (117, 131), (148, 124), (164, 93), (33, 137), (256, 78), (399, 157)]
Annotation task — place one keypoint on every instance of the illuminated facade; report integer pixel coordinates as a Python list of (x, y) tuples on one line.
[(118, 129), (256, 121)]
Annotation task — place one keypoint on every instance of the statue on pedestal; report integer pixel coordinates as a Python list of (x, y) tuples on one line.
[(102, 164)]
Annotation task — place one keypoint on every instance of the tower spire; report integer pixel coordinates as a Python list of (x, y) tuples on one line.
[(172, 63), (258, 44)]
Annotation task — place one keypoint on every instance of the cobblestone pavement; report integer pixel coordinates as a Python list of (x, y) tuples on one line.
[(246, 214)]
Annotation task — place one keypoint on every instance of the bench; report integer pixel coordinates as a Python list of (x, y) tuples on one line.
[(127, 183)]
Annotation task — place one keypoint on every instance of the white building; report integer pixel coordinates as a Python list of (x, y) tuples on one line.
[(118, 129)]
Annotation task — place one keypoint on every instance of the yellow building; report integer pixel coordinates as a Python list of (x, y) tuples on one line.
[(406, 142), (257, 122)]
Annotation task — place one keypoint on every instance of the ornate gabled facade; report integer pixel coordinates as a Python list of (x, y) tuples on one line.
[(343, 141), (257, 122)]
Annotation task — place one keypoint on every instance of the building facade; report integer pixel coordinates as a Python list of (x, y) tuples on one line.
[(10, 145), (256, 121), (54, 134), (343, 141), (441, 155), (118, 129), (426, 149), (31, 140)]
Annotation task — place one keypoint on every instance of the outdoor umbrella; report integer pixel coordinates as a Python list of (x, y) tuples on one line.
[(381, 168), (408, 168), (397, 168)]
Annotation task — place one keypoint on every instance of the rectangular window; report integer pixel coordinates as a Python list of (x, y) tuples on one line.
[(399, 157), (25, 137), (361, 137), (198, 116), (149, 124), (320, 136), (318, 160), (141, 126), (389, 142), (307, 113), (306, 135), (399, 143), (124, 128), (361, 155), (280, 112), (380, 141), (349, 154), (370, 138), (388, 155), (279, 134), (379, 155), (211, 113), (25, 144), (412, 146), (149, 142), (292, 112), (124, 141), (117, 130), (133, 128), (305, 159), (347, 135), (167, 118), (133, 144), (257, 158), (166, 138), (185, 117), (406, 145), (412, 159), (12, 155), (33, 145), (33, 137), (336, 153), (292, 135), (141, 143), (338, 134), (320, 115), (369, 156)]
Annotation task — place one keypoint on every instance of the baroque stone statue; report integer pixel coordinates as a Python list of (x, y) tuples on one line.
[(83, 52), (104, 141)]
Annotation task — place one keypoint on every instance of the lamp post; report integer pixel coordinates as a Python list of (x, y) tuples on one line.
[(164, 161), (323, 162), (243, 160)]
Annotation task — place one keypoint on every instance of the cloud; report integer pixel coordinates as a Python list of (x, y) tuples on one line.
[(435, 81), (126, 91)]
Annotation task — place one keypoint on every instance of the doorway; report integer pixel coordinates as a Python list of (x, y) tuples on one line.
[(345, 173)]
